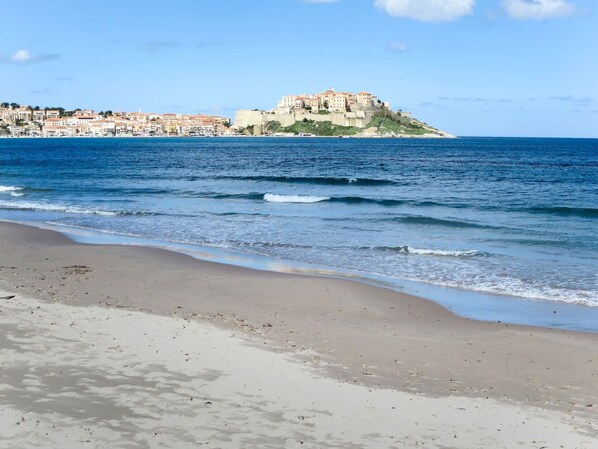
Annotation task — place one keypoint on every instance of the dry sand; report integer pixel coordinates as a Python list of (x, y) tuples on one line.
[(270, 360)]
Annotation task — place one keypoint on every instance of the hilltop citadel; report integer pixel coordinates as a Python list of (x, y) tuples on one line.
[(332, 113)]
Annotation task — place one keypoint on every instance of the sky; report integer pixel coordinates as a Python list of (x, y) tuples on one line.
[(469, 67)]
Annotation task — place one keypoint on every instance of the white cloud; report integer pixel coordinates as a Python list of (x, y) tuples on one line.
[(428, 10), (538, 9), (21, 56)]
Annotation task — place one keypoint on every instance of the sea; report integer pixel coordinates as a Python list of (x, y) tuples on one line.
[(499, 229)]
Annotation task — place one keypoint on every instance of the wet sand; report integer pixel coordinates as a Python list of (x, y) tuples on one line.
[(378, 348)]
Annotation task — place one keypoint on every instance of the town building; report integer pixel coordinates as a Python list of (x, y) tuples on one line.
[(330, 101)]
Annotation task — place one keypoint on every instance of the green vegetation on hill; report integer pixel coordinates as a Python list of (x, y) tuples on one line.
[(324, 129), (385, 123), (274, 127), (397, 125)]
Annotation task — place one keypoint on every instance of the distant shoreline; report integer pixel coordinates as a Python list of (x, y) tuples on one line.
[(235, 137)]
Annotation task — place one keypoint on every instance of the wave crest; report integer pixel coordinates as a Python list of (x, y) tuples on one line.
[(307, 199), (433, 252), (4, 189), (422, 220), (565, 211), (44, 207)]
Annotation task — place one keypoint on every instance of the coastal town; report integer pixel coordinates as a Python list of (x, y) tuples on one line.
[(326, 114), (26, 121)]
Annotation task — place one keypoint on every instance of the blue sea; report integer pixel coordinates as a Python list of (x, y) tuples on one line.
[(494, 228)]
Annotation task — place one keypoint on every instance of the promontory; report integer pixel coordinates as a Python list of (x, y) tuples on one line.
[(333, 113)]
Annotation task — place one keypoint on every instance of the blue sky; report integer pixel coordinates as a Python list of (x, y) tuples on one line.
[(485, 67)]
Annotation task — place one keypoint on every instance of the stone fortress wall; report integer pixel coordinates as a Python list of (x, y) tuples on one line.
[(259, 119)]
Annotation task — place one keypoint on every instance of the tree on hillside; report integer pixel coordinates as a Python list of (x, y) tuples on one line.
[(70, 113), (61, 110)]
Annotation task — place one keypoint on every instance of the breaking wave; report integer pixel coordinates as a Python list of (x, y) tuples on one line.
[(433, 252), (6, 189), (46, 207), (273, 198)]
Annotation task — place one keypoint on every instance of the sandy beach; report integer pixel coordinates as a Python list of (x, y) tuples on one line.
[(133, 347)]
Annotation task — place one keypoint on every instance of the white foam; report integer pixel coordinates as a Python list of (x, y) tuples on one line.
[(438, 252), (4, 189), (16, 194), (518, 289), (273, 198), (26, 205)]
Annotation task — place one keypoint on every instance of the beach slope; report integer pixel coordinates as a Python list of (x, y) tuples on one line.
[(138, 347)]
